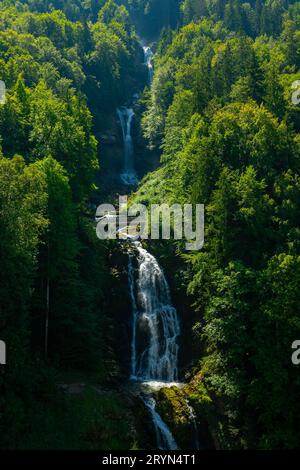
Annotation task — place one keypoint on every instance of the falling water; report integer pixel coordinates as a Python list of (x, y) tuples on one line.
[(128, 176), (154, 348), (164, 437), (149, 62), (156, 329), (155, 323)]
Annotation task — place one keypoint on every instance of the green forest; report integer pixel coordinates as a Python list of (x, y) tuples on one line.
[(217, 125)]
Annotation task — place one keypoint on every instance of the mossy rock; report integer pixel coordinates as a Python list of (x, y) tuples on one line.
[(174, 410), (205, 410), (199, 396)]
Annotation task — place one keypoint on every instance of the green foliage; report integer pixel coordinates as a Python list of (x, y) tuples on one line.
[(151, 16), (220, 111), (91, 421), (228, 132), (23, 198), (253, 18), (53, 268)]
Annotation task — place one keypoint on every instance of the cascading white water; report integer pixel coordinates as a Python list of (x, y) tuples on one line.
[(154, 348), (155, 322), (149, 62), (128, 176), (164, 437)]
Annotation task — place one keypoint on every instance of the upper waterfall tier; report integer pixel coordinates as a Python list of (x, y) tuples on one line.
[(128, 175)]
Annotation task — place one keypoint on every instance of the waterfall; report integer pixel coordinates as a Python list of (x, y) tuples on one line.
[(149, 62), (128, 176), (164, 438), (155, 331), (155, 323)]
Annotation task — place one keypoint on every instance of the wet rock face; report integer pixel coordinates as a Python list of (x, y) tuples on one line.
[(189, 428)]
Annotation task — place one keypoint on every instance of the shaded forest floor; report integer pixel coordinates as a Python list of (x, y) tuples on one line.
[(84, 417)]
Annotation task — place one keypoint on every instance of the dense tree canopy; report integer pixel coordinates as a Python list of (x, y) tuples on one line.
[(55, 59), (220, 115)]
